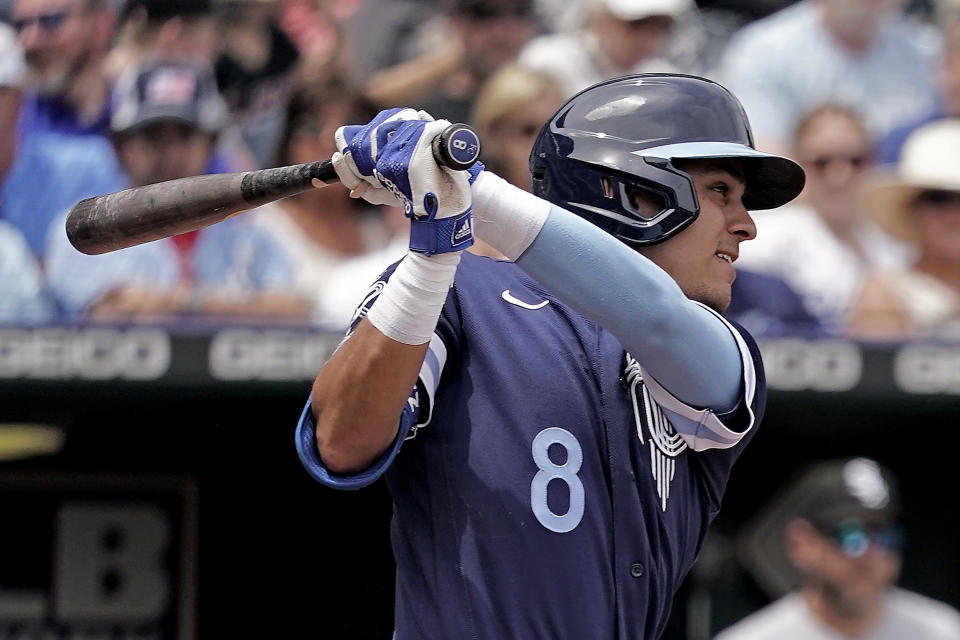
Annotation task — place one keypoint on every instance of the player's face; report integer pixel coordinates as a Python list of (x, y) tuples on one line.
[(700, 258)]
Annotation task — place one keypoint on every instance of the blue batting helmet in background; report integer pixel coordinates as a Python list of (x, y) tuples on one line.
[(624, 134)]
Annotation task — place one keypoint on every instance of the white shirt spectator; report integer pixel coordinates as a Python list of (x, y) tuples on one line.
[(907, 615), (794, 244), (576, 62), (23, 299), (783, 65)]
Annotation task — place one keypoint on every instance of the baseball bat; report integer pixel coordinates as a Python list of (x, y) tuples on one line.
[(142, 214)]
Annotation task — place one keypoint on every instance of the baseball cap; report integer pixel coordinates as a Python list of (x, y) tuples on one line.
[(844, 490), (629, 10), (847, 500), (167, 91)]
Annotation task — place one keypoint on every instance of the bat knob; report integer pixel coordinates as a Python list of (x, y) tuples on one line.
[(457, 147)]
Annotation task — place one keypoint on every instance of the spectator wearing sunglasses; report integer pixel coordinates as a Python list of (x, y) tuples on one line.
[(831, 548), (65, 43), (919, 202), (823, 245)]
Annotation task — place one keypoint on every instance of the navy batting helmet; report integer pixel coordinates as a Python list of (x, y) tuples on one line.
[(624, 134)]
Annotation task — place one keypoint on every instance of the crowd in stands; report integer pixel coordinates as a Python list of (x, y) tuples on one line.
[(100, 95)]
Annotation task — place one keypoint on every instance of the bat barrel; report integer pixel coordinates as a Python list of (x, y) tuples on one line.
[(143, 214)]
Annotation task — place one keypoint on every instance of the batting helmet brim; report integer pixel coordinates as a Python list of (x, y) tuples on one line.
[(772, 181)]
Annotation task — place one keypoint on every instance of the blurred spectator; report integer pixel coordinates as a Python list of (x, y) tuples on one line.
[(831, 548), (321, 228), (11, 89), (65, 43), (164, 127), (22, 298), (948, 84), (164, 30), (317, 27), (920, 204), (44, 173), (768, 307), (458, 50), (177, 30), (382, 33), (255, 71), (823, 245), (862, 53), (509, 111), (617, 37)]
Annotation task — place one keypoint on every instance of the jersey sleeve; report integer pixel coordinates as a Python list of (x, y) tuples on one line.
[(416, 413), (306, 443), (704, 429)]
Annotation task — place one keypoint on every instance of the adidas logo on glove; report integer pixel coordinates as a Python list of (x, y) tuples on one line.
[(463, 231)]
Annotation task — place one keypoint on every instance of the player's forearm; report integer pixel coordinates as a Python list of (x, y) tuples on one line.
[(690, 351), (359, 395), (361, 392)]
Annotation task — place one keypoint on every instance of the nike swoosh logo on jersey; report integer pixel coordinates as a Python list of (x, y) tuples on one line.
[(520, 303)]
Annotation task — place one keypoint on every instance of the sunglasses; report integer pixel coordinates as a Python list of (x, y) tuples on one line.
[(854, 537), (820, 163), (48, 22), (937, 198)]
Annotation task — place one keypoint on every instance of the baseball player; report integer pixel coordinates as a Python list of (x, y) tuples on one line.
[(575, 410)]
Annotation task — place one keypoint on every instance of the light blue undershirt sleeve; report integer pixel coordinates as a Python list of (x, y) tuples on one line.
[(684, 346)]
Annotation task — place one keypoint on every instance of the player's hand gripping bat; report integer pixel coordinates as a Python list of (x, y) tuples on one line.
[(142, 214)]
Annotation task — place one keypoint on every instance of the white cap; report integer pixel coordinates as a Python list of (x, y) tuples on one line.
[(929, 160), (12, 67), (639, 9)]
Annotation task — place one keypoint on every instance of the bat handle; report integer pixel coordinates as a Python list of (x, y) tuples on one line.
[(457, 147)]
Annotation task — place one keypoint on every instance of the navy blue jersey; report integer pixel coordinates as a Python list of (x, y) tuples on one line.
[(549, 488)]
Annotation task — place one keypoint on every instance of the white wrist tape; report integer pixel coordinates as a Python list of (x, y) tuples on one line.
[(409, 306), (504, 216)]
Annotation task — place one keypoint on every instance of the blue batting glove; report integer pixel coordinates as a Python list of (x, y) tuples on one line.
[(436, 199), (358, 147)]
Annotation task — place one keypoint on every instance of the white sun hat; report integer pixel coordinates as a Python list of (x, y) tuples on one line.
[(630, 10), (930, 159)]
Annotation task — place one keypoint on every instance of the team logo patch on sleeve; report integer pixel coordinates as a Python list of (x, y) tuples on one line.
[(665, 443), (368, 299)]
